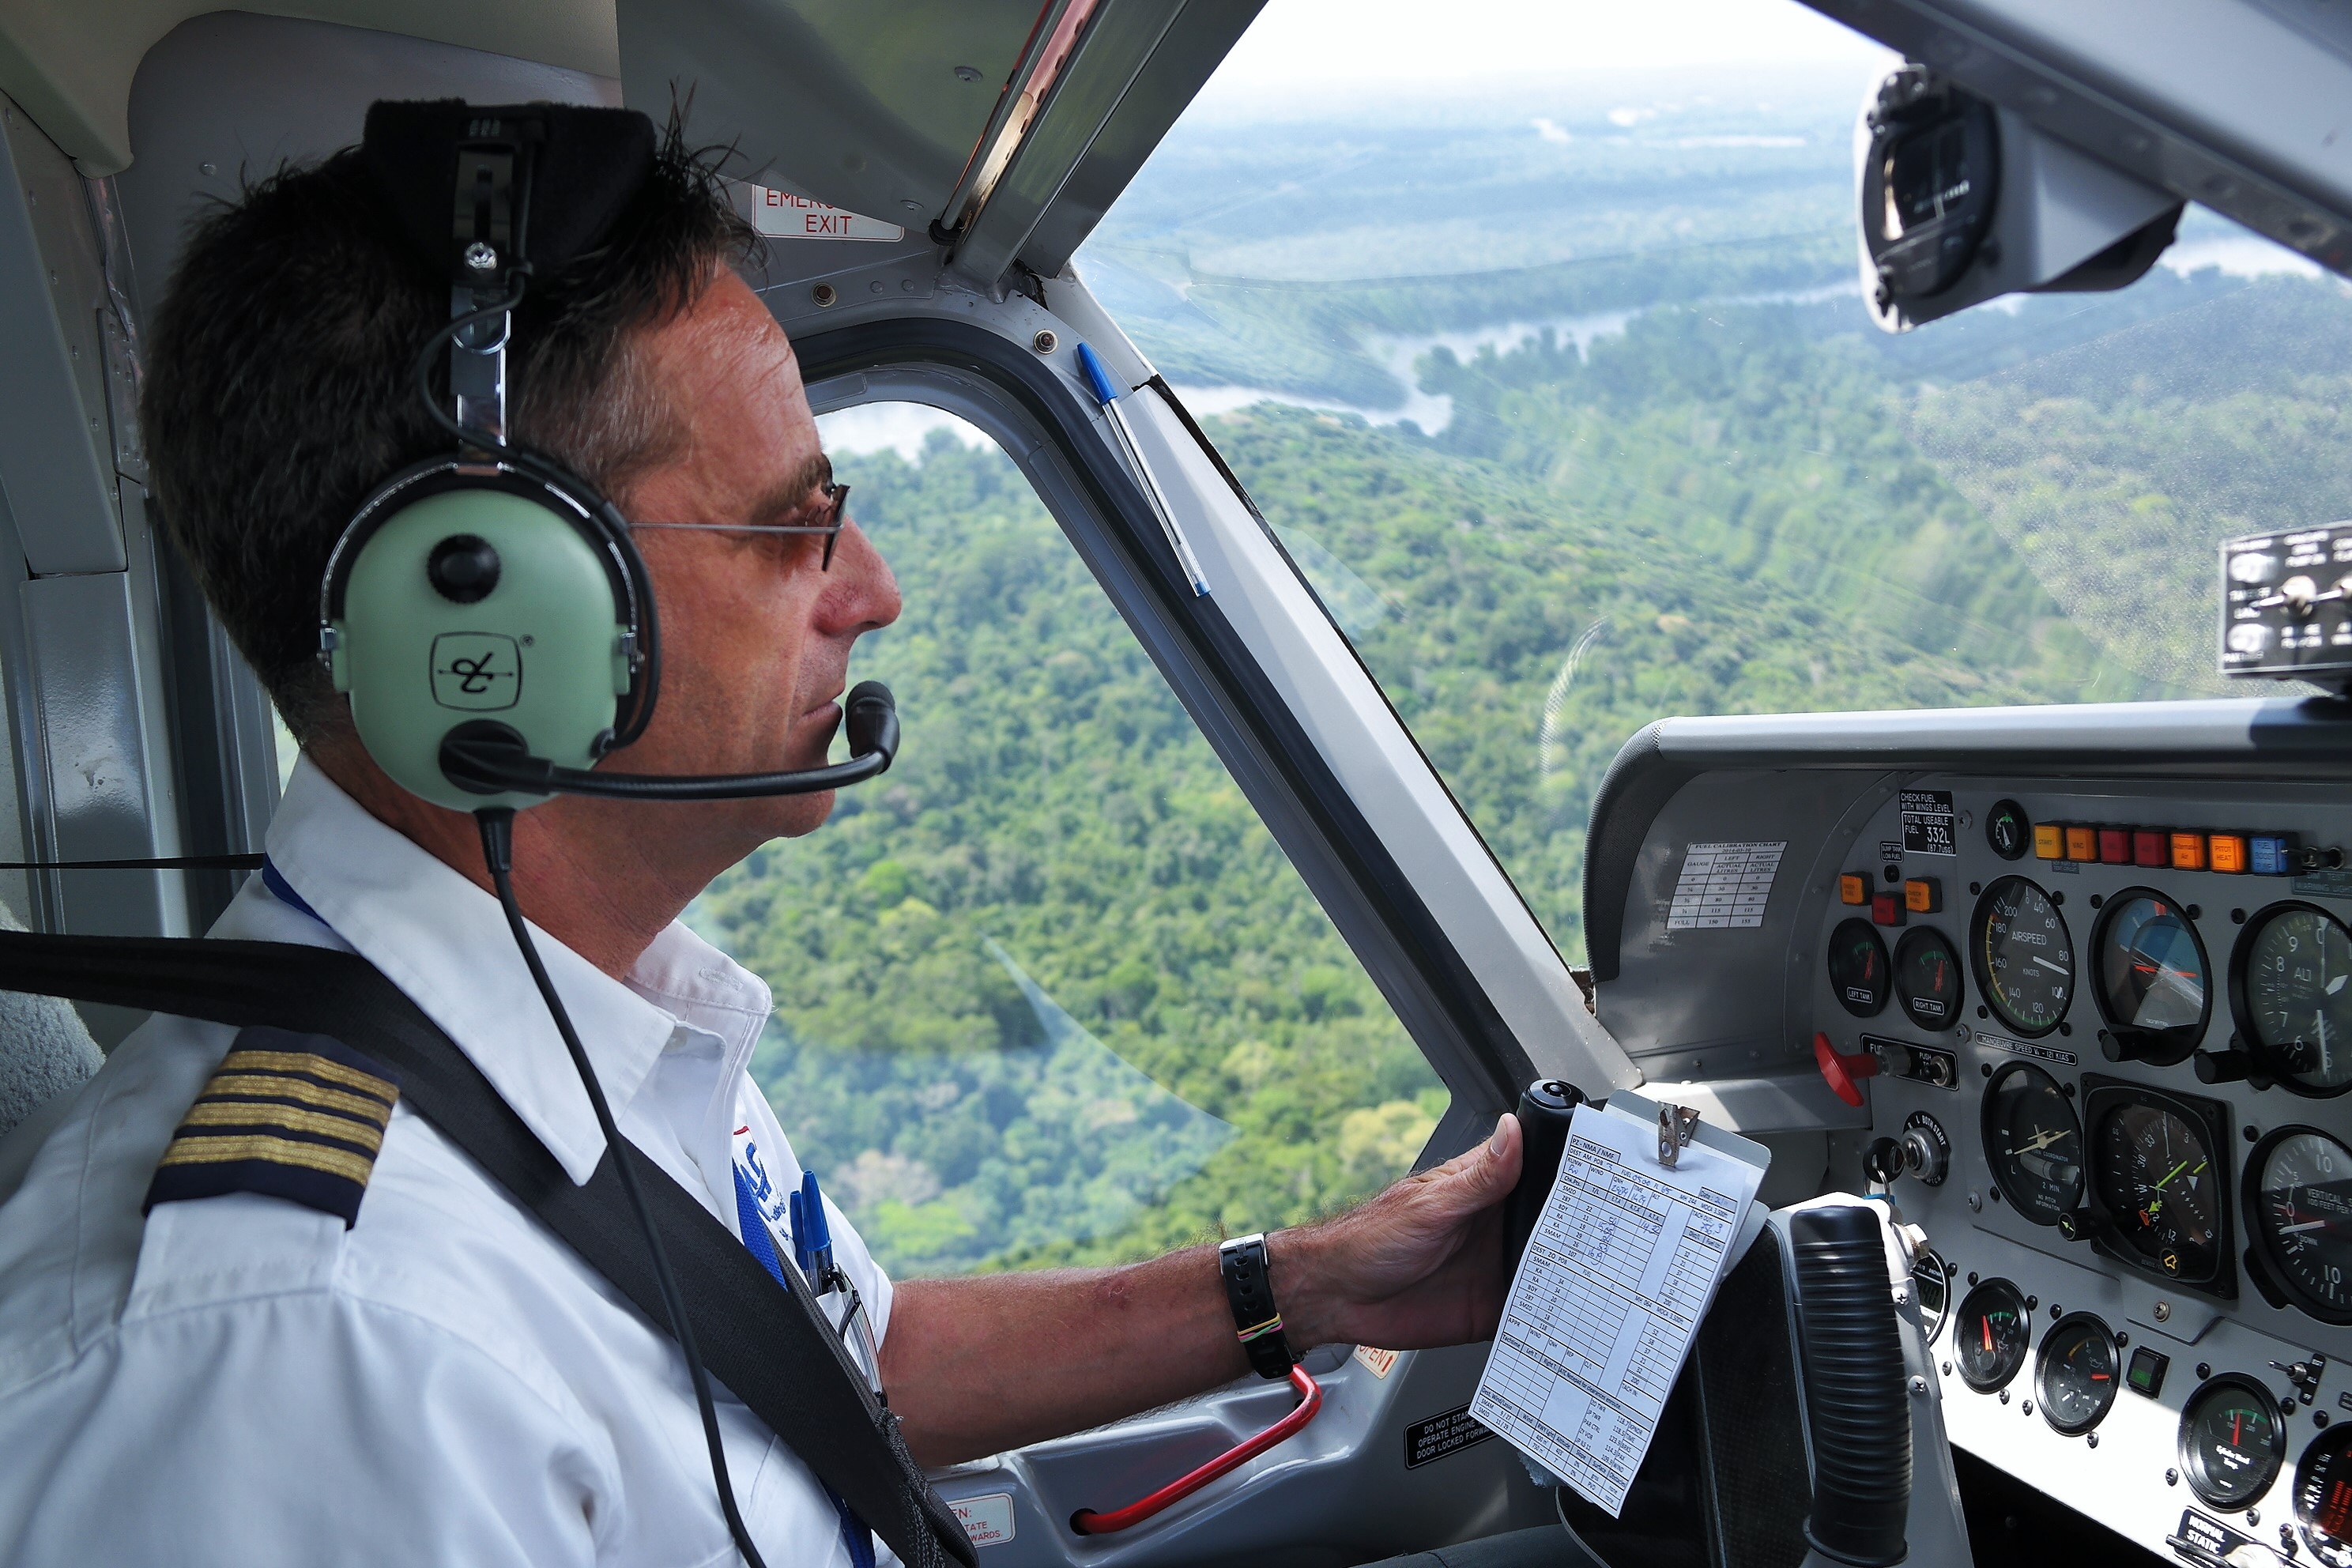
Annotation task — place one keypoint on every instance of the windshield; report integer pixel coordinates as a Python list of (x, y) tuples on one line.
[(1549, 365)]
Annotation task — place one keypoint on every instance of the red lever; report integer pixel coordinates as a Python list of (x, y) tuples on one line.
[(1841, 1072), (1086, 1522)]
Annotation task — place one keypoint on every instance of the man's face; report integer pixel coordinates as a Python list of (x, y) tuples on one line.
[(755, 639)]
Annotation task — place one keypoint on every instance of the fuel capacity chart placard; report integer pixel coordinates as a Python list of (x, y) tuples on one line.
[(1724, 886)]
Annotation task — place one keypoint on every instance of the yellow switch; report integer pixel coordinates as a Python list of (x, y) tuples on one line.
[(1853, 887), (1923, 895), (2188, 852), (2049, 841)]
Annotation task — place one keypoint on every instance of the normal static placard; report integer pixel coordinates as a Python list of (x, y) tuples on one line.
[(1725, 886)]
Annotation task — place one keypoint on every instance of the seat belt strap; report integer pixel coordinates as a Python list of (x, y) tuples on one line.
[(761, 1335)]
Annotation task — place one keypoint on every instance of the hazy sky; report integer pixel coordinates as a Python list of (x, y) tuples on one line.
[(1323, 44)]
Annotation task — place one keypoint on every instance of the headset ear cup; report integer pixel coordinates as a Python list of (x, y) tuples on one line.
[(481, 599)]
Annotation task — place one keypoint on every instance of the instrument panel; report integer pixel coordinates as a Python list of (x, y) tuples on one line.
[(2102, 1041)]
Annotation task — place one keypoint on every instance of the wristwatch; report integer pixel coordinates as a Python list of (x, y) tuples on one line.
[(1257, 1322)]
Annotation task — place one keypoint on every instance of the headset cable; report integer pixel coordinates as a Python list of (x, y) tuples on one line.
[(498, 855)]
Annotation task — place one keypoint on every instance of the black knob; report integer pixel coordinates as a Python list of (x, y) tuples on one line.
[(463, 569), (2078, 1225), (2232, 1066)]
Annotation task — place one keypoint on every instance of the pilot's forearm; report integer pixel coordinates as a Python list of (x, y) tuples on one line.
[(978, 1365)]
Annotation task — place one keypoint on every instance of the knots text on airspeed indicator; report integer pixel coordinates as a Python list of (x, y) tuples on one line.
[(2023, 956), (2032, 1142)]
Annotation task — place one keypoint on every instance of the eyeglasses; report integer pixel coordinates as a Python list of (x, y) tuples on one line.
[(835, 513)]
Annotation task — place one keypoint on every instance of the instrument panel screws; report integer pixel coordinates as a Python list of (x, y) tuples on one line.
[(2172, 1478), (481, 257), (2204, 1369), (1972, 1276), (824, 294), (967, 73), (2253, 1134), (2027, 1408), (205, 169), (1044, 341), (2004, 1396), (2163, 1311), (2092, 1438), (1918, 1386)]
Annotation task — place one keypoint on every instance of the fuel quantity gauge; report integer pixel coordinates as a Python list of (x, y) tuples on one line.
[(1990, 1335), (1928, 979)]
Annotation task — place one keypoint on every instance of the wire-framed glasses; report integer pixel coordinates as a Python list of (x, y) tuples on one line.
[(833, 516)]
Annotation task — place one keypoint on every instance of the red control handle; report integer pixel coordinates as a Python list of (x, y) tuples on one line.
[(1842, 1073), (1086, 1522)]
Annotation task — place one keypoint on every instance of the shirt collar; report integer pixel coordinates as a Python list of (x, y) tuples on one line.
[(445, 943)]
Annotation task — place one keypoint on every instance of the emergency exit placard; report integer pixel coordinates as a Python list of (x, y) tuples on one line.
[(779, 214)]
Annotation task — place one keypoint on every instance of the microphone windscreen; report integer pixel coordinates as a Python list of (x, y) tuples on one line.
[(872, 720)]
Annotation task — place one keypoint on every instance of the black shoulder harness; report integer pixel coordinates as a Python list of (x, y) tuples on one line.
[(772, 1349)]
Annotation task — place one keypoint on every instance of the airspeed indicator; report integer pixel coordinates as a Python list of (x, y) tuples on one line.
[(2023, 956)]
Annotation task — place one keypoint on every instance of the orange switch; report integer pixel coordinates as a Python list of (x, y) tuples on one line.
[(1923, 895), (1853, 887), (2049, 841), (2081, 842), (2227, 852), (2188, 852)]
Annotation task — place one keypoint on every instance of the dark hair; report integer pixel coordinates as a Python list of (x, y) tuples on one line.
[(280, 390)]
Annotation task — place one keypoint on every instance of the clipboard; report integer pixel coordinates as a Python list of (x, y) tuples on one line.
[(1644, 1223)]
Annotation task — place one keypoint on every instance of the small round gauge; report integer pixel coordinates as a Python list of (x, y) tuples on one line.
[(1928, 979), (2078, 1374), (2032, 1142), (1990, 1335), (2231, 1441), (2161, 1186), (2287, 987), (1858, 968), (2299, 1205), (2323, 1497), (1931, 1286), (2008, 830), (2152, 976), (2023, 957)]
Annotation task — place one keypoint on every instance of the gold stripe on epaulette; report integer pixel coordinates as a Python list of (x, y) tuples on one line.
[(314, 1066), (201, 1151), (280, 1088), (247, 1113)]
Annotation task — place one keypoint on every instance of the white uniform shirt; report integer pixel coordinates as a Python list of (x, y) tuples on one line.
[(242, 1381)]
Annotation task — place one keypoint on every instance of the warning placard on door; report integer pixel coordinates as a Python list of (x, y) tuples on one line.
[(779, 214)]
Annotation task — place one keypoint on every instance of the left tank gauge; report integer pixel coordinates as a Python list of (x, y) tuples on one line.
[(1860, 973)]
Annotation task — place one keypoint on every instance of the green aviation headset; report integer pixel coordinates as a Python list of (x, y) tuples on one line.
[(487, 611)]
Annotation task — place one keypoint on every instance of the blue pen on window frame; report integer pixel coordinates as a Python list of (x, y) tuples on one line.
[(1106, 394)]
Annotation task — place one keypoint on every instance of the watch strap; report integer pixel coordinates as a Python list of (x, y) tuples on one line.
[(1249, 1292)]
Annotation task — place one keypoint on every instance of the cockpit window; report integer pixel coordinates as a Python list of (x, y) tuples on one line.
[(1050, 992), (1546, 358)]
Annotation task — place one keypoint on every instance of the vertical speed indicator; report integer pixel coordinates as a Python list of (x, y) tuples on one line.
[(2022, 955)]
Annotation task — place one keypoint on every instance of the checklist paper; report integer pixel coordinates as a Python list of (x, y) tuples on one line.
[(1622, 1266)]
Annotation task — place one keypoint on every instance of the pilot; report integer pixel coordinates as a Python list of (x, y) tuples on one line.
[(389, 1360)]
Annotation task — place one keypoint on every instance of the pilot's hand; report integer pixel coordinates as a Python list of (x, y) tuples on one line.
[(1419, 1265)]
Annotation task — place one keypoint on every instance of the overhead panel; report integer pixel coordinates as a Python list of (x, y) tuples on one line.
[(875, 108), (2236, 104)]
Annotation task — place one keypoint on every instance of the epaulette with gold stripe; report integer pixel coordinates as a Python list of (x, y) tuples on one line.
[(299, 1117)]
